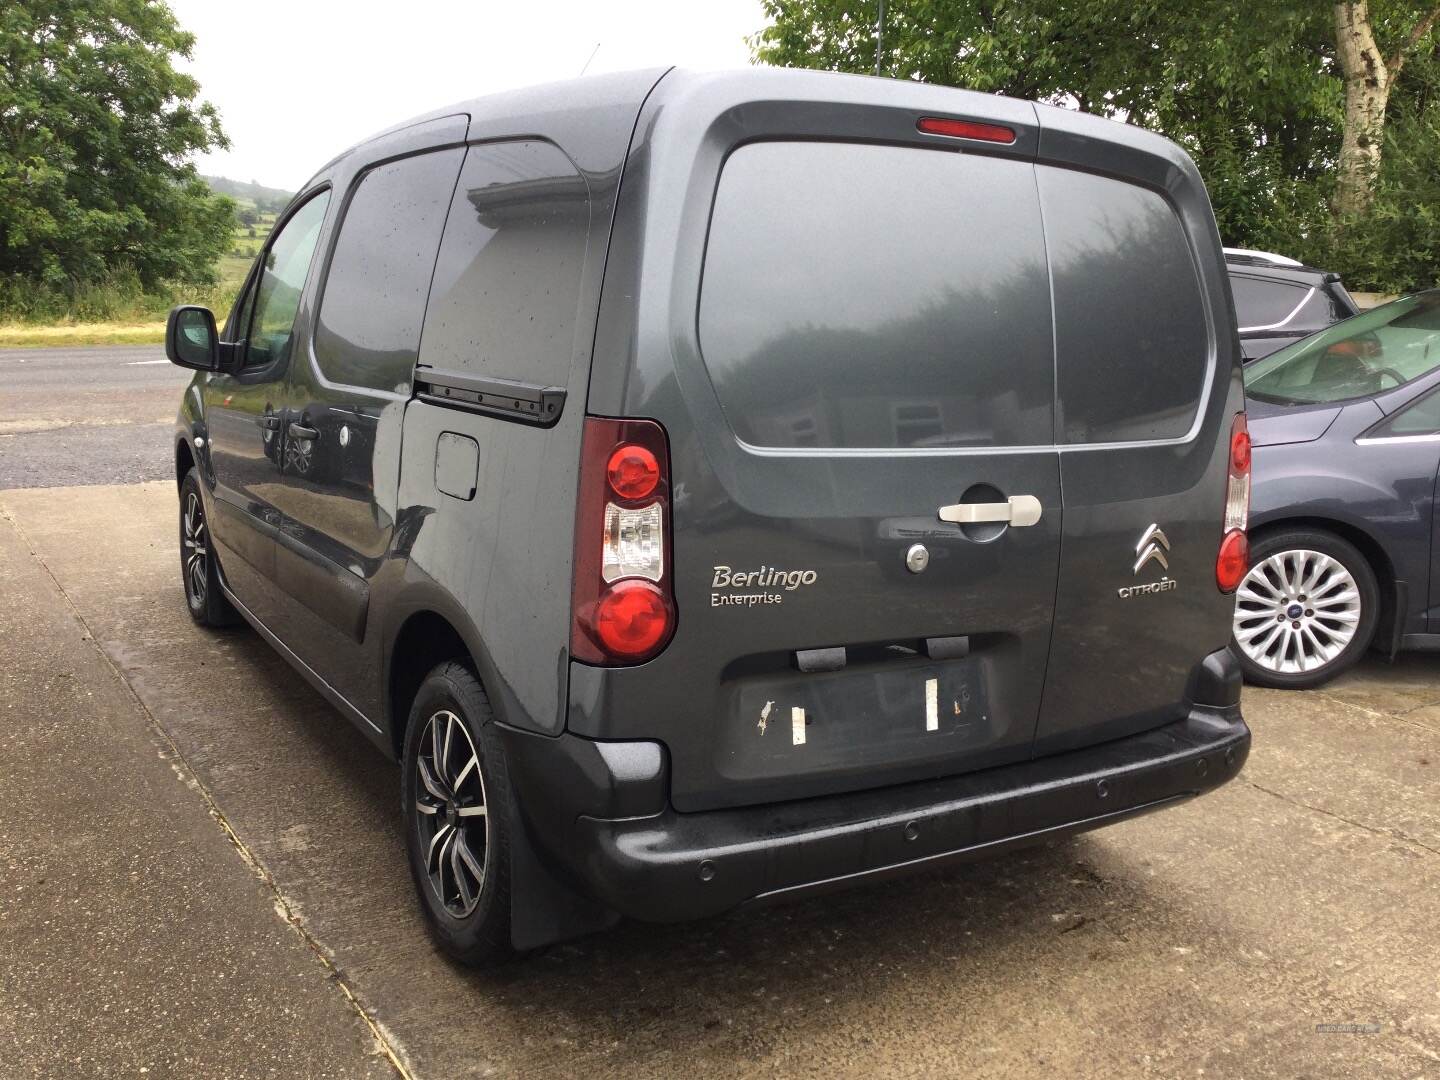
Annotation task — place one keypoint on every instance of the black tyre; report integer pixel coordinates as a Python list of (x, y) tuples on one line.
[(199, 568), (456, 798), (1305, 611)]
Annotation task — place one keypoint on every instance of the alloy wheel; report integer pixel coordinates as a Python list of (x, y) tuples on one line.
[(195, 549), (451, 814), (1296, 611)]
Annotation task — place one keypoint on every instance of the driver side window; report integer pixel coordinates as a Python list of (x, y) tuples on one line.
[(267, 318)]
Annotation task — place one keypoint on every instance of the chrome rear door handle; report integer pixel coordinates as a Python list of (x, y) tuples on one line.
[(1019, 510)]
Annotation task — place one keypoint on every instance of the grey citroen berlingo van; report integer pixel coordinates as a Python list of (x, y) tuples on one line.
[(714, 488)]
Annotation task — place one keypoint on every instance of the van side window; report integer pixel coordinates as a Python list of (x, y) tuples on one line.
[(368, 329), (507, 282), (877, 296), (269, 325), (1132, 345)]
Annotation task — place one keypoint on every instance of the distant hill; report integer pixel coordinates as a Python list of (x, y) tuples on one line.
[(262, 197)]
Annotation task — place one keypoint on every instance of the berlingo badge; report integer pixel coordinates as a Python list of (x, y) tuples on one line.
[(767, 578)]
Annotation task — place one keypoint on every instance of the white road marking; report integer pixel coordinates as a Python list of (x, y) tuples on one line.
[(797, 726), (932, 705), (141, 363)]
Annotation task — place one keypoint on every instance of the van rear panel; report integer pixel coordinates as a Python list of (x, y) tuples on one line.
[(871, 349)]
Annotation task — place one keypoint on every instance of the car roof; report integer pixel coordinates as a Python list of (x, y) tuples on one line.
[(1267, 257), (1252, 267)]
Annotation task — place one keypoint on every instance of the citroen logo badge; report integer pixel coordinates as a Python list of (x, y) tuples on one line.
[(1152, 548), (1153, 545)]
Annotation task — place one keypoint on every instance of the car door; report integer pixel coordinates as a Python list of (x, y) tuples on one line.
[(243, 408), (347, 393), (1400, 456)]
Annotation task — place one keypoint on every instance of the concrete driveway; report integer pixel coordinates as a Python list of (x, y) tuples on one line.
[(201, 868)]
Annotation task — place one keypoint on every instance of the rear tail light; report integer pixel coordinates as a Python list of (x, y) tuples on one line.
[(1234, 558), (621, 601)]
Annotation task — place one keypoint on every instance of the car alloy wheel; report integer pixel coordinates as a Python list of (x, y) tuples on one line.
[(451, 814), (1297, 611), (195, 553)]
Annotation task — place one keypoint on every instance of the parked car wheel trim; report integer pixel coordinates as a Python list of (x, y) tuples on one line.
[(1297, 611), (451, 813), (196, 544)]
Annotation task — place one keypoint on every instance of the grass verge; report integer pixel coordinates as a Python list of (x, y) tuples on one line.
[(117, 310), (22, 335)]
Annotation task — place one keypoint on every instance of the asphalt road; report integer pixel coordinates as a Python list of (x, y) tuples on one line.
[(201, 874), (97, 415)]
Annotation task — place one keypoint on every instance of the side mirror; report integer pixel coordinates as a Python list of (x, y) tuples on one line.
[(190, 338)]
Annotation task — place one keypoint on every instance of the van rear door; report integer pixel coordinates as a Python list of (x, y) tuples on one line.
[(859, 398), (1148, 388)]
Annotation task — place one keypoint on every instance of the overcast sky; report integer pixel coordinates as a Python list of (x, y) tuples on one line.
[(298, 81)]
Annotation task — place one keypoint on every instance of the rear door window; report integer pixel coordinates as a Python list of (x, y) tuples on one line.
[(877, 296), (1266, 305), (1319, 310), (368, 330), (507, 282), (1132, 343)]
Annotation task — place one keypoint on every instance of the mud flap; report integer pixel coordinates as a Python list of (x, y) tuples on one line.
[(1400, 605), (544, 908)]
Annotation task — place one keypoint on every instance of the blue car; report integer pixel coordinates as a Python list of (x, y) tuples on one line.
[(1345, 431)]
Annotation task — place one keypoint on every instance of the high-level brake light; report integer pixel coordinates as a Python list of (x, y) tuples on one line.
[(965, 129)]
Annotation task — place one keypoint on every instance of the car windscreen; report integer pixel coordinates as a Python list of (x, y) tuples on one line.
[(1378, 350)]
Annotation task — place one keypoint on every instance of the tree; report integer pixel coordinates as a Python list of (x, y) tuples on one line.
[(1369, 78), (96, 132), (1253, 91)]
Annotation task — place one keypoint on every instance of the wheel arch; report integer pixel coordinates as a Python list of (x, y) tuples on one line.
[(424, 639), (184, 460)]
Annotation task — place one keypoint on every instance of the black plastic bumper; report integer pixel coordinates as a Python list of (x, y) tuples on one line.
[(670, 867)]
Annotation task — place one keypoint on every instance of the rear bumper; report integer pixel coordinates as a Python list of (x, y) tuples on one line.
[(669, 867)]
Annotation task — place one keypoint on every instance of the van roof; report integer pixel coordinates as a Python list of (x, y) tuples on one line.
[(585, 109), (593, 117)]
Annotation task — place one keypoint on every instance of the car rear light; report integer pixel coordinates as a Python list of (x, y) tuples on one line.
[(1237, 492), (1232, 562), (1234, 558), (965, 129), (633, 543), (631, 619), (632, 471), (622, 604)]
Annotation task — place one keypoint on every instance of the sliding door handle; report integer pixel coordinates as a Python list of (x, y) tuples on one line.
[(1018, 510)]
